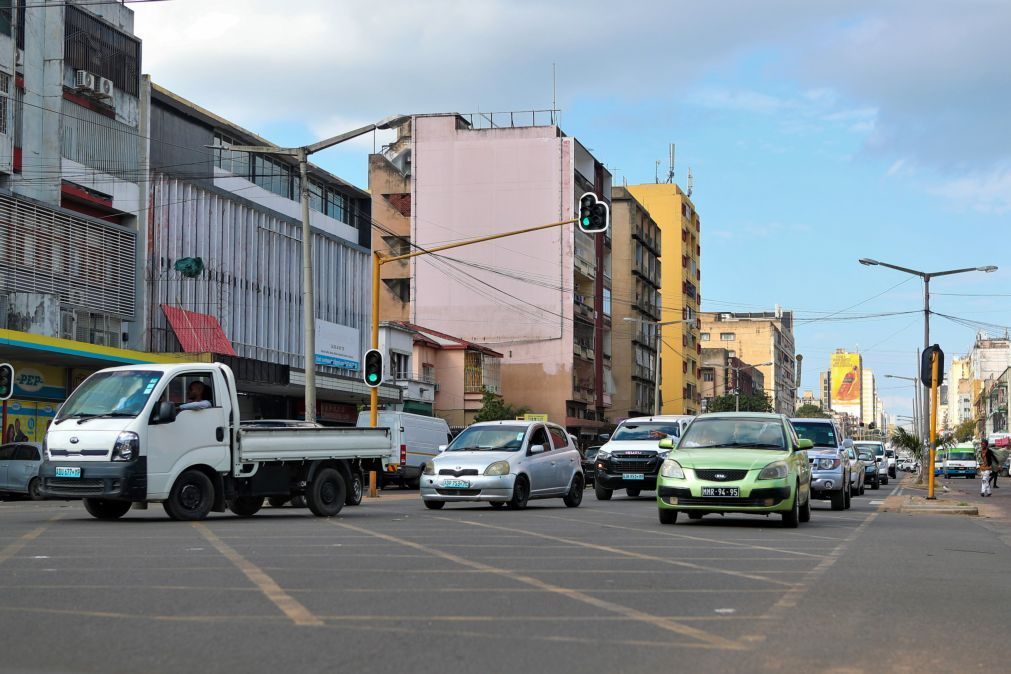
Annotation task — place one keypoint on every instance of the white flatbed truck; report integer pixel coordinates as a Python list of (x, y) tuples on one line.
[(126, 437)]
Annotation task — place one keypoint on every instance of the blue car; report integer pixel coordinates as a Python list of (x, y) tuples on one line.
[(19, 469)]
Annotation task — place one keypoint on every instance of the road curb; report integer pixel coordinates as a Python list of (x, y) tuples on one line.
[(917, 505)]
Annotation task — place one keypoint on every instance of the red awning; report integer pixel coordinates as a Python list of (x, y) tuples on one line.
[(198, 333)]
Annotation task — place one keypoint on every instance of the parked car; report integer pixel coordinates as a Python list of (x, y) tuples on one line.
[(356, 489), (416, 439), (830, 476), (736, 462), (590, 463), (856, 468), (878, 451), (19, 469), (631, 458), (872, 469), (505, 463)]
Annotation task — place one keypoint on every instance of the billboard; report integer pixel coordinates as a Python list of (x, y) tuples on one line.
[(846, 382), (337, 345)]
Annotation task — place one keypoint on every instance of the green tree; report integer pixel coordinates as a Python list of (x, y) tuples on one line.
[(756, 402), (965, 430), (495, 408), (901, 440), (810, 411)]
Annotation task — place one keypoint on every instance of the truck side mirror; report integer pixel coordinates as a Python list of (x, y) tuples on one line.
[(165, 413)]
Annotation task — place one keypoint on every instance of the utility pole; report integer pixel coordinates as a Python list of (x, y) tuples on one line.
[(301, 154)]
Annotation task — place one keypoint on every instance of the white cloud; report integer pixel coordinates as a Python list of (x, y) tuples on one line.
[(988, 192)]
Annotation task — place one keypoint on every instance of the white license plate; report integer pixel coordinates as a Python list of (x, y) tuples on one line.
[(731, 492), (456, 484), (68, 471), (634, 476)]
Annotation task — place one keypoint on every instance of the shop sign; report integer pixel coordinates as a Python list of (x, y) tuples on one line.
[(39, 381)]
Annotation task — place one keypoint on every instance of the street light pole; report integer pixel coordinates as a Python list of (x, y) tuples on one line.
[(737, 381), (301, 154)]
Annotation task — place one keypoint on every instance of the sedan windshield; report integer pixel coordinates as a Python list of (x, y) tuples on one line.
[(652, 430), (122, 393), (489, 438), (734, 432), (822, 435)]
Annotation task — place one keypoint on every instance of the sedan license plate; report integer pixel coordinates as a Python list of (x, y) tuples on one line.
[(68, 471), (731, 492), (634, 476), (456, 484)]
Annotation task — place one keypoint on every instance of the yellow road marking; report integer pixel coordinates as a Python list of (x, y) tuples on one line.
[(710, 640), (15, 547), (290, 606), (633, 555)]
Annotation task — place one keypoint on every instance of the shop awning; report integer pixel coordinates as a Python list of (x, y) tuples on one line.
[(198, 333), (24, 346)]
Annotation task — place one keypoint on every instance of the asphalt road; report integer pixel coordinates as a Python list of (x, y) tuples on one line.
[(391, 586)]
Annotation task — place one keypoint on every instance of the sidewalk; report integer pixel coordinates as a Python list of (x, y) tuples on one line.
[(997, 506), (953, 496)]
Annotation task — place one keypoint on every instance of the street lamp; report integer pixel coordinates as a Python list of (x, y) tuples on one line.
[(737, 381), (656, 374), (308, 301), (926, 276), (916, 405)]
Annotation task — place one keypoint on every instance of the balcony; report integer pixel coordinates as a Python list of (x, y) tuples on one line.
[(651, 242), (584, 267), (582, 311), (583, 349)]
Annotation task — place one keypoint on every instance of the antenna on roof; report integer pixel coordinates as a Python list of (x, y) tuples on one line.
[(656, 173), (688, 184), (670, 165)]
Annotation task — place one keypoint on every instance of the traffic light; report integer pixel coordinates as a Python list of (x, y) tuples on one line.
[(594, 215), (6, 381), (373, 368)]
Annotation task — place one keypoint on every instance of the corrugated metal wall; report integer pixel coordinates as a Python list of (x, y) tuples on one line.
[(85, 264), (253, 277), (99, 142)]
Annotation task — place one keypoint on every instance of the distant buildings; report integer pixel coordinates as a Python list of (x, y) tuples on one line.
[(724, 374)]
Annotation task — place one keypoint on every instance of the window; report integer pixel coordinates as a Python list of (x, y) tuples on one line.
[(337, 206), (708, 374), (91, 44), (728, 336), (191, 387), (26, 453), (5, 92), (704, 336), (428, 373), (400, 365), (558, 437), (539, 437)]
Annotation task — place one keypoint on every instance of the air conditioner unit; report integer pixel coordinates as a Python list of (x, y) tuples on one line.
[(104, 88), (83, 80)]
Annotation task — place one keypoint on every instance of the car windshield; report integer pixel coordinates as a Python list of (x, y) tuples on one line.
[(864, 456), (489, 438), (961, 456), (722, 432), (868, 447), (122, 393), (822, 435), (647, 430)]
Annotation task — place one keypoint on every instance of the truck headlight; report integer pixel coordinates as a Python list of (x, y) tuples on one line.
[(497, 468), (428, 470), (774, 471), (672, 468), (127, 447)]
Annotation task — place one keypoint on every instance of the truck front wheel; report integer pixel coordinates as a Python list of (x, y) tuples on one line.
[(191, 497), (325, 496), (104, 509)]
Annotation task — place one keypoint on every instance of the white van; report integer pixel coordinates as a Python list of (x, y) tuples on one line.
[(416, 439)]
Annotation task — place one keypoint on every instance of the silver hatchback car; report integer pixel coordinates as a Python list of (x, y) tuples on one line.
[(505, 463), (19, 469)]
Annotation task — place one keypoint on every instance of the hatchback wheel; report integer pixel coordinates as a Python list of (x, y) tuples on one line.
[(521, 493), (575, 495)]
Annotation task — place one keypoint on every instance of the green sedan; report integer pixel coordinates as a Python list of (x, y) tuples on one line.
[(736, 462)]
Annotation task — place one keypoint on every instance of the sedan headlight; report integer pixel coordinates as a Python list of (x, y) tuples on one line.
[(672, 468), (127, 446), (497, 468), (429, 469), (827, 464), (774, 471)]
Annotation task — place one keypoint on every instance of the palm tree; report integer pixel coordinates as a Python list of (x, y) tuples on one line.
[(903, 439)]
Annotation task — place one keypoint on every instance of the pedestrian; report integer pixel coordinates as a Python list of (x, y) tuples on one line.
[(987, 465)]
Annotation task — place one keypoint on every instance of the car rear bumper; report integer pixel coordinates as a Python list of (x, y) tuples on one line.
[(116, 480)]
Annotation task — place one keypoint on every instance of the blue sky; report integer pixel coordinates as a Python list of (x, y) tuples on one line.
[(817, 133)]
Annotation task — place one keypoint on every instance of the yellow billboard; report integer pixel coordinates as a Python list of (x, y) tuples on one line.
[(846, 378)]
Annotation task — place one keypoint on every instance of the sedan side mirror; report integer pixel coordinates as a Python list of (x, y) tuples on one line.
[(165, 413), (535, 449), (666, 443), (442, 448), (804, 443)]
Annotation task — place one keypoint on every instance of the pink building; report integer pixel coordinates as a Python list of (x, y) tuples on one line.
[(542, 299)]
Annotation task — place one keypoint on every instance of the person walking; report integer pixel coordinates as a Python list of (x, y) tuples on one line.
[(987, 465)]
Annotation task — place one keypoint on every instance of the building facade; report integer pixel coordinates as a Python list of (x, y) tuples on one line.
[(680, 284), (239, 214), (724, 374), (759, 338), (542, 299), (635, 279)]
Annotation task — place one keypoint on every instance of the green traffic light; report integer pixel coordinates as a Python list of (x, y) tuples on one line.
[(373, 377), (586, 222)]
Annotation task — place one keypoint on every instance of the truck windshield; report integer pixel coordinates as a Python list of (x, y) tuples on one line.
[(961, 456), (647, 431), (489, 438), (121, 393)]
